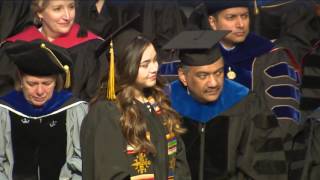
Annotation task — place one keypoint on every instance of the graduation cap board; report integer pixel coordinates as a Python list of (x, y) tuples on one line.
[(214, 6), (106, 44), (40, 58), (197, 48)]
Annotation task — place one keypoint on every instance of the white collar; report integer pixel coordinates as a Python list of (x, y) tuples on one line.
[(227, 49)]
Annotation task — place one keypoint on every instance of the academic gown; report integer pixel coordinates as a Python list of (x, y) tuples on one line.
[(87, 68), (112, 15), (294, 25), (107, 155), (311, 136), (303, 152), (14, 17), (276, 79), (159, 21), (310, 90), (305, 146), (269, 70), (40, 143), (241, 57), (231, 138)]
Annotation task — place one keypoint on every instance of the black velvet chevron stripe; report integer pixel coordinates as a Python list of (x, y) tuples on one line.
[(282, 69), (295, 174), (270, 167), (287, 91), (312, 60), (309, 103), (312, 82), (262, 123), (296, 155), (271, 145), (287, 112)]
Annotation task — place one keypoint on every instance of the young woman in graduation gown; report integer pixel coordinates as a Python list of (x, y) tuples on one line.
[(135, 136), (54, 22), (39, 122)]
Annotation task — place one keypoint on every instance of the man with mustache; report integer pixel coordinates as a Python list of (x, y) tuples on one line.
[(230, 133)]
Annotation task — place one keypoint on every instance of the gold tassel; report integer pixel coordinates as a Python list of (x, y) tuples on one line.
[(67, 83), (66, 68), (256, 8), (111, 95)]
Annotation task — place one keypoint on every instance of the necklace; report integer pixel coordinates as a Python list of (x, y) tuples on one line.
[(147, 103), (151, 104)]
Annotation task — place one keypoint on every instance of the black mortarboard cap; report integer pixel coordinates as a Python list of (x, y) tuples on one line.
[(197, 48), (116, 44), (124, 38), (214, 6), (122, 35), (40, 58)]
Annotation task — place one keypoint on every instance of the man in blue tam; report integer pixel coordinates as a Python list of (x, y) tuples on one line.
[(230, 133)]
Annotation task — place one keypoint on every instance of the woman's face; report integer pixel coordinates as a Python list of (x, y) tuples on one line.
[(148, 68), (38, 90), (57, 18)]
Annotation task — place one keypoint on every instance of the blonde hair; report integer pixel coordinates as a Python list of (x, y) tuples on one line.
[(38, 6)]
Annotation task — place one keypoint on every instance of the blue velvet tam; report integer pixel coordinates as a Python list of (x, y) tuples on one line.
[(214, 6)]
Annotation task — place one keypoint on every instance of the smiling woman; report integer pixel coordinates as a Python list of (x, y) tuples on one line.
[(54, 21), (56, 17)]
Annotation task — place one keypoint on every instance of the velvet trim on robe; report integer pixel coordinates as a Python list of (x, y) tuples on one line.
[(231, 94), (240, 58), (87, 67), (17, 101), (66, 41)]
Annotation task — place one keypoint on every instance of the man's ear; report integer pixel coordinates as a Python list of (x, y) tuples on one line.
[(182, 76), (212, 22)]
